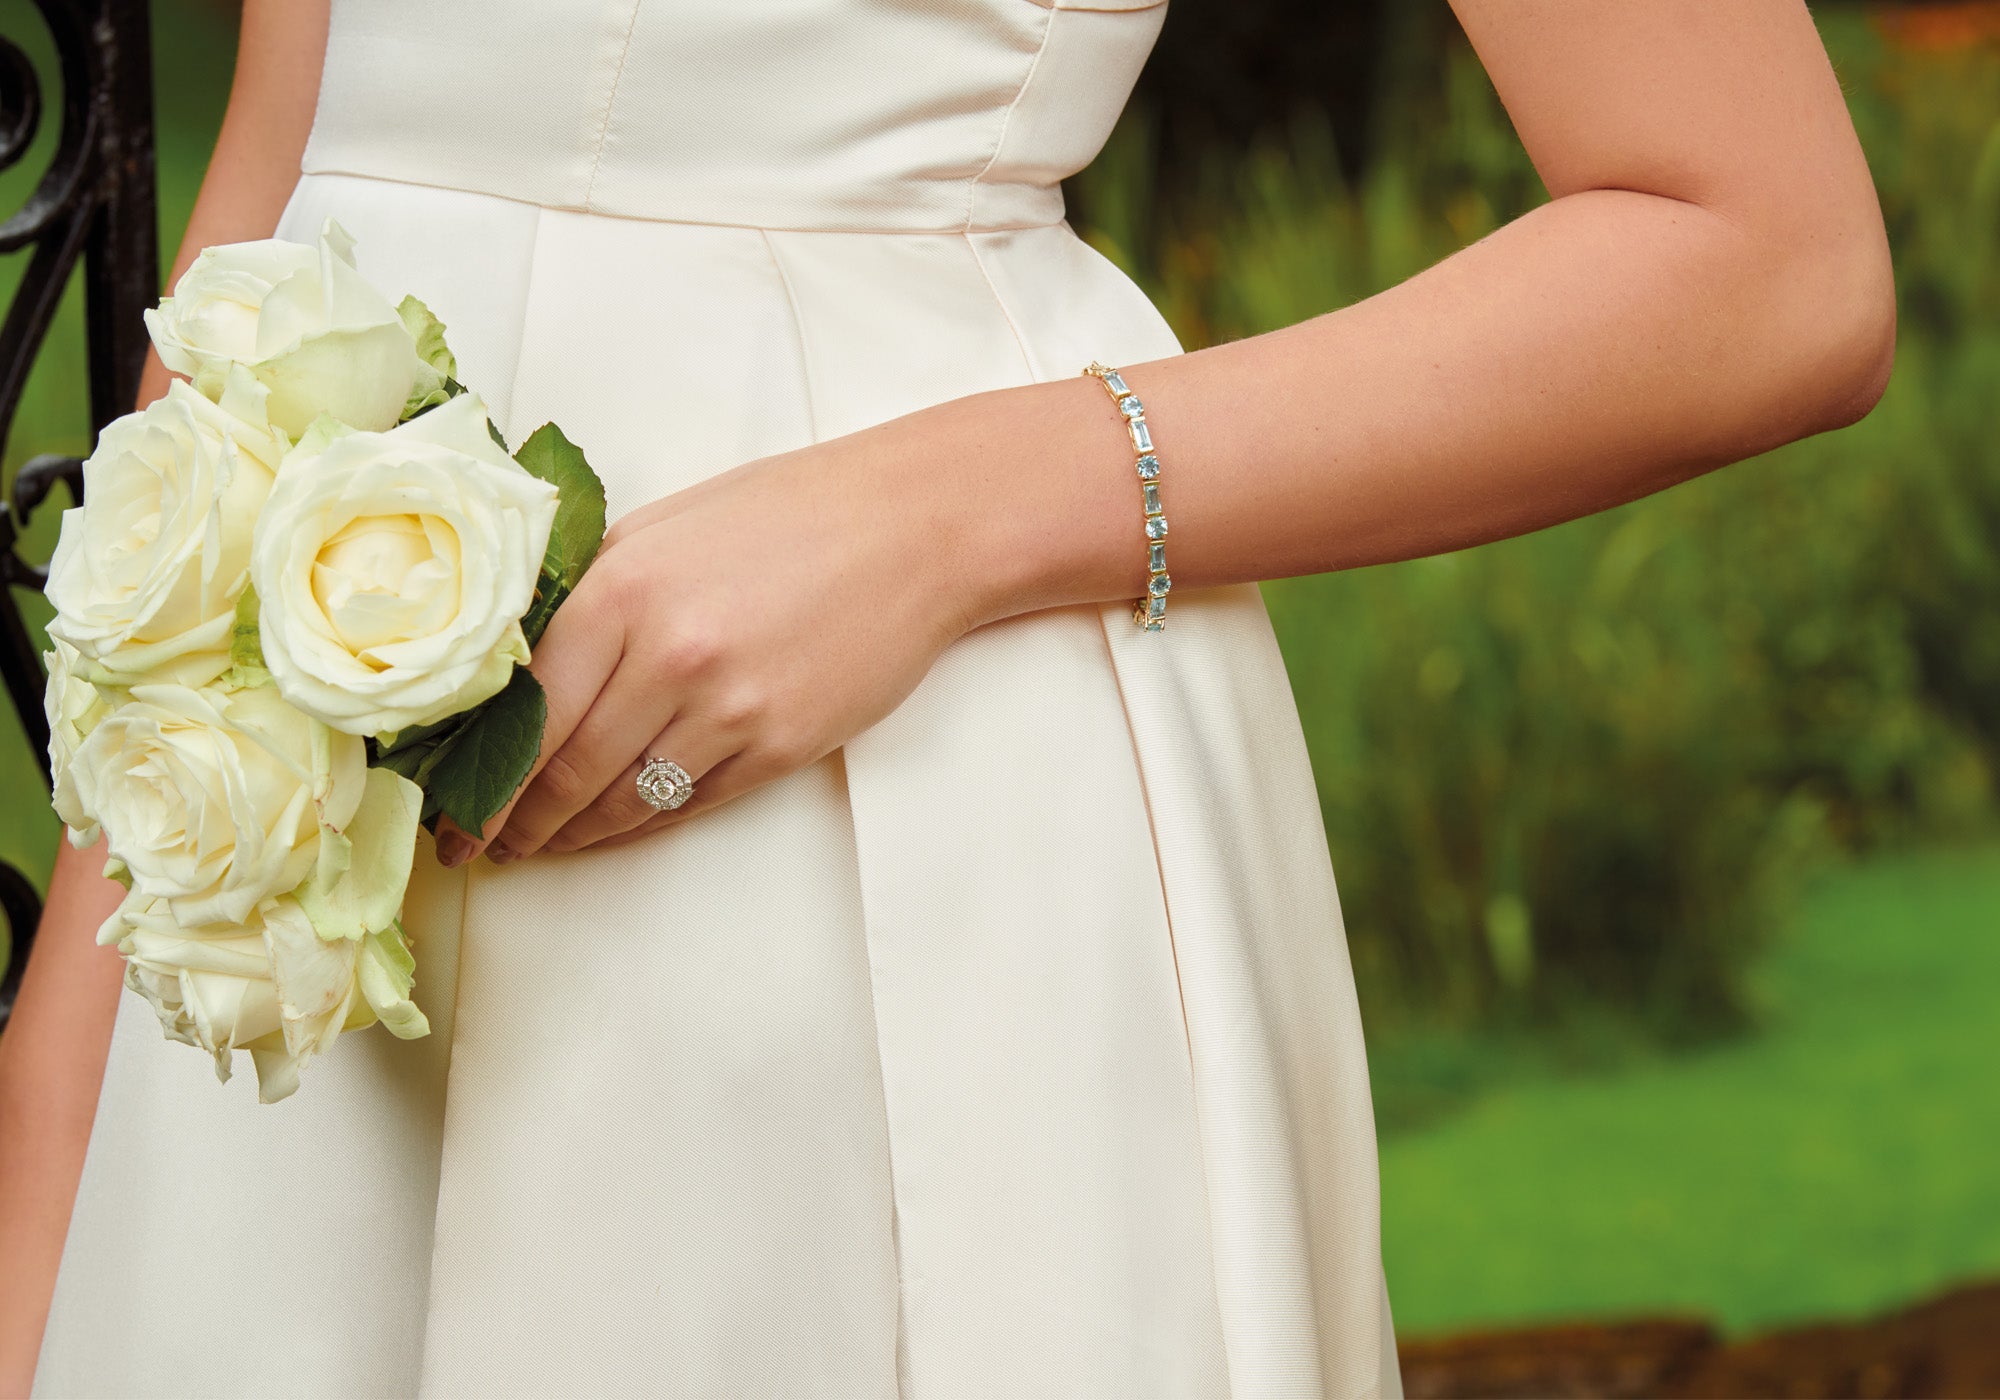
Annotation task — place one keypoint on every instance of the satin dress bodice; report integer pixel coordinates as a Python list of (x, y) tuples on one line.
[(890, 115)]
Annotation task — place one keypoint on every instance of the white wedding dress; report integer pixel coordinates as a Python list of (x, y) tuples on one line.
[(1011, 1051)]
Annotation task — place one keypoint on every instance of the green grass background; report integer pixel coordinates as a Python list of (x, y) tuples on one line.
[(1840, 1161)]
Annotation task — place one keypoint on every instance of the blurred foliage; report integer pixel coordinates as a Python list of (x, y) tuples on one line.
[(1226, 72), (1589, 768)]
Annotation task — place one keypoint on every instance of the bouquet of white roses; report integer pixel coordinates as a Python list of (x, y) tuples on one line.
[(291, 616)]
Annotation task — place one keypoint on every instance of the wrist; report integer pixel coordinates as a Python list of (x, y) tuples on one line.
[(1042, 509)]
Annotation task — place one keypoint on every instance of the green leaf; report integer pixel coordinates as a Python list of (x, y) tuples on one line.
[(414, 735), (481, 769), (245, 648), (549, 593), (415, 751), (406, 762), (579, 527)]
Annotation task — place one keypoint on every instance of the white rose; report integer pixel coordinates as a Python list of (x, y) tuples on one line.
[(73, 706), (302, 320), (392, 570), (147, 570), (268, 985), (214, 801)]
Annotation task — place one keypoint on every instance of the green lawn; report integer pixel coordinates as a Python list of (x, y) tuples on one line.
[(1842, 1160)]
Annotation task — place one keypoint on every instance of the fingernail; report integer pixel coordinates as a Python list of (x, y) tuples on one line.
[(500, 854), (451, 849)]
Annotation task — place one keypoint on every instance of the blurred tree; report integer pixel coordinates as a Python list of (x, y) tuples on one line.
[(1230, 74), (1226, 72)]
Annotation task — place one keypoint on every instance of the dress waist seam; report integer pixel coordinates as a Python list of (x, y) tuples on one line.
[(956, 228)]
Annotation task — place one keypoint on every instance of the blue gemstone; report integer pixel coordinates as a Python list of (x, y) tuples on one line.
[(1117, 383), (1152, 498), (1130, 407), (1142, 436), (1149, 467), (1156, 527), (1158, 585), (1159, 556), (1156, 607)]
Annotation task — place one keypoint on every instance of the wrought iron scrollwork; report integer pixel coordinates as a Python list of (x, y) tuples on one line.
[(94, 206)]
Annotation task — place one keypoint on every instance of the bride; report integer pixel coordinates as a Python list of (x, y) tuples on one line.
[(981, 1024)]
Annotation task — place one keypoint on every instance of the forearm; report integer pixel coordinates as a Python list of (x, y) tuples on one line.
[(1603, 347), (51, 1064)]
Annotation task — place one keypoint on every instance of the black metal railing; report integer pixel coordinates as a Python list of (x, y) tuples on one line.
[(95, 206)]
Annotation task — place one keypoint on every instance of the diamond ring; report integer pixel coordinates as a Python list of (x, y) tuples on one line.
[(664, 784)]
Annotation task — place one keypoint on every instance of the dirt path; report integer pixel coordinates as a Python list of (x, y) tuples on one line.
[(1948, 1346)]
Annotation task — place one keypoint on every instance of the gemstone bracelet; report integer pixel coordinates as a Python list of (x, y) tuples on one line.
[(1150, 612)]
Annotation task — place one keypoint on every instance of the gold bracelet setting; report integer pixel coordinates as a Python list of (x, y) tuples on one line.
[(1150, 612)]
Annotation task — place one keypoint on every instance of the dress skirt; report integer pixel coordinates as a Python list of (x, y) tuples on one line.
[(1010, 1050)]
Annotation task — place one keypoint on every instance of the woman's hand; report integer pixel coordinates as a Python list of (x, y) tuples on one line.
[(742, 628)]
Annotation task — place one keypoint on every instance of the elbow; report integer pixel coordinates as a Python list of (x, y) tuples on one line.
[(1841, 308), (1859, 349)]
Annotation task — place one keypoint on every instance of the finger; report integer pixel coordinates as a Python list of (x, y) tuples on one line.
[(719, 785), (700, 748), (575, 657), (634, 521), (726, 781), (662, 508), (608, 743), (667, 507)]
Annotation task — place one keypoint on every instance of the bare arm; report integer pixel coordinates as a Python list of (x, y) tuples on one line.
[(1709, 280), (52, 1055)]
